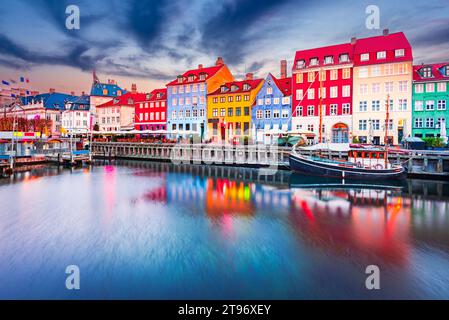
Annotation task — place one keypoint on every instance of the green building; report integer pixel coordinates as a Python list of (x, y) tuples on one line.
[(430, 99)]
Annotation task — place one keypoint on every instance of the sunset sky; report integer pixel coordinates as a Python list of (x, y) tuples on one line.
[(150, 42)]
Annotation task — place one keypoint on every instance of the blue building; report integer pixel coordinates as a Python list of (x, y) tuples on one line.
[(187, 97), (101, 93), (272, 110)]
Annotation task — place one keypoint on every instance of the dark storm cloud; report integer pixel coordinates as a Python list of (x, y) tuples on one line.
[(439, 35)]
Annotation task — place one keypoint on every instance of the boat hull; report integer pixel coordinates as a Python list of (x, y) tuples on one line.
[(309, 166)]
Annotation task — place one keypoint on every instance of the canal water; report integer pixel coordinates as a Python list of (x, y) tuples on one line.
[(140, 230)]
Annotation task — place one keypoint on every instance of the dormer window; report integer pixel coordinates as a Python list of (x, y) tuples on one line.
[(202, 76), (224, 89), (159, 95), (446, 69), (148, 96), (246, 87), (399, 53), (116, 101), (344, 57), (234, 88), (328, 60), (130, 101), (381, 55), (191, 78), (364, 57), (300, 64), (426, 72), (314, 61), (180, 79)]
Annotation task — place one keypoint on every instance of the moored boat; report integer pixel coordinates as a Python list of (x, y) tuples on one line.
[(370, 163)]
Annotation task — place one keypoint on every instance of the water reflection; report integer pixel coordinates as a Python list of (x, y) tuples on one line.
[(220, 232)]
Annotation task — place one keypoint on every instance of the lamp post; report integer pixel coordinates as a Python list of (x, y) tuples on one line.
[(13, 142)]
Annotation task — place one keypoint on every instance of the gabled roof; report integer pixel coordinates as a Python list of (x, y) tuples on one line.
[(209, 72), (128, 99), (335, 51), (51, 101), (80, 103), (284, 85), (153, 95), (437, 72), (239, 86), (112, 90)]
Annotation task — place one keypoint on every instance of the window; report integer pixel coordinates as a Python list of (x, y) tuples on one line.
[(441, 87), (363, 106), (376, 124), (363, 89), (419, 88), (286, 100), (181, 101), (344, 57), (230, 112), (238, 98), (246, 97), (267, 114), (310, 127), (300, 64), (402, 68), (314, 61), (181, 89), (430, 105), (174, 90), (310, 110), (323, 75), (334, 74), (346, 91), (202, 87), (328, 59), (238, 111), (230, 98), (346, 73), (223, 99), (441, 105), (322, 93), (375, 71), (267, 101), (419, 105), (246, 111), (187, 101), (418, 123), (381, 55), (390, 124), (430, 87), (333, 109), (157, 115), (399, 53), (187, 113), (430, 123), (389, 70), (362, 125), (259, 114), (276, 101), (346, 108), (194, 88), (311, 76), (363, 72), (299, 94), (364, 57), (311, 94), (376, 88), (202, 99), (188, 88), (276, 114), (174, 102), (334, 92), (269, 90), (222, 112), (426, 72), (390, 104), (246, 87), (173, 114), (260, 102), (389, 87), (402, 105), (299, 78), (215, 100), (299, 111), (440, 122), (375, 105), (285, 114), (195, 113)]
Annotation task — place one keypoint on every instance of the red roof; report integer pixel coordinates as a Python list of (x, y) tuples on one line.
[(285, 85), (238, 86), (437, 72), (124, 100), (335, 51), (154, 95), (209, 72)]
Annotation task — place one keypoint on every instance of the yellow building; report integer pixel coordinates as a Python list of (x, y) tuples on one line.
[(229, 109)]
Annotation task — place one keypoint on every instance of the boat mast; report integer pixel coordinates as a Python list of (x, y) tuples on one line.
[(387, 123), (320, 111)]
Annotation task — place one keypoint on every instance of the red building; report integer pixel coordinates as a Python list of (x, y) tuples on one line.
[(323, 76), (151, 114)]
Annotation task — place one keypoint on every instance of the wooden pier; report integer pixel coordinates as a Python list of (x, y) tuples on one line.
[(69, 158), (419, 163)]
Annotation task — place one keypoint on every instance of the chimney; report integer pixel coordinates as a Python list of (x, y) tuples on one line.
[(72, 93), (134, 88), (83, 93), (386, 32), (219, 62), (353, 40), (200, 66), (249, 76), (283, 69), (52, 90)]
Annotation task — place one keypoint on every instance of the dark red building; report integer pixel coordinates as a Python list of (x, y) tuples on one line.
[(151, 114)]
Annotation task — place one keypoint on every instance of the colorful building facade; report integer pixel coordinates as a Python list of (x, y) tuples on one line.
[(151, 114), (101, 93), (272, 110), (229, 109), (430, 99), (187, 97), (118, 114), (383, 68), (323, 77), (76, 118)]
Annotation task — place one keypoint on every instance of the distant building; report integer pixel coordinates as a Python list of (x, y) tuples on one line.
[(119, 113), (229, 109), (187, 96), (101, 93), (151, 113), (383, 67), (77, 116), (272, 110), (430, 99)]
